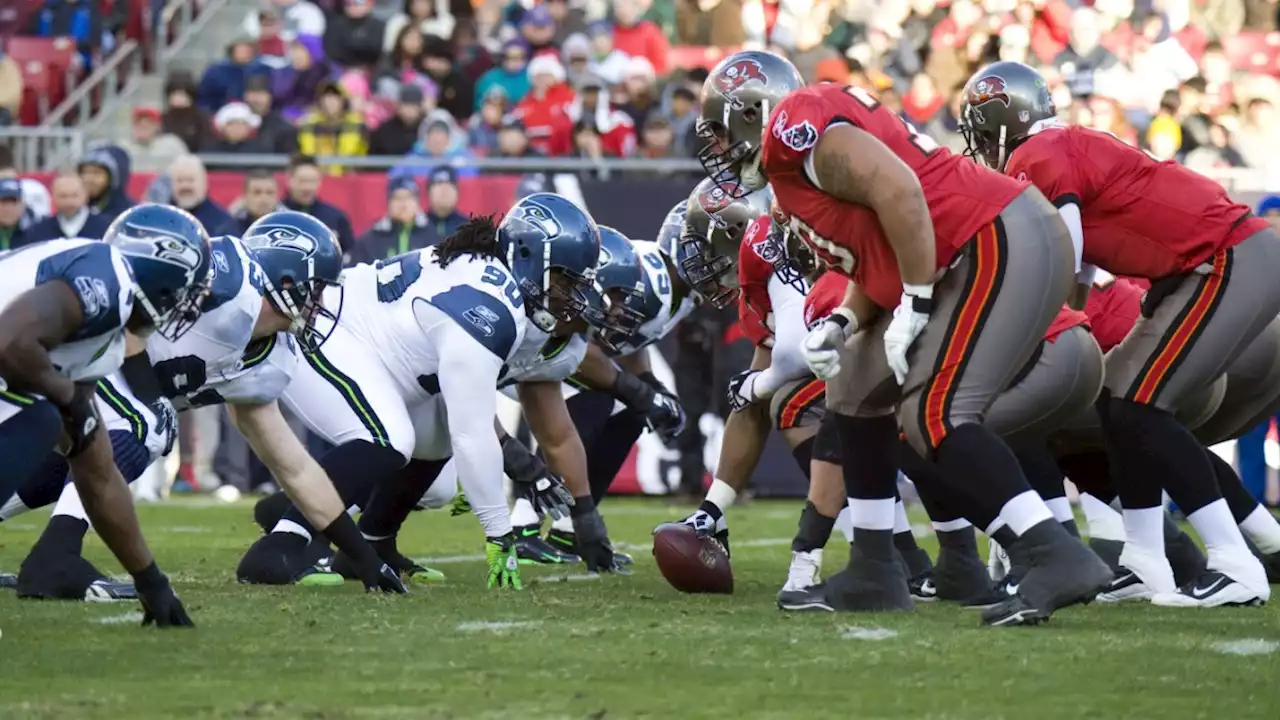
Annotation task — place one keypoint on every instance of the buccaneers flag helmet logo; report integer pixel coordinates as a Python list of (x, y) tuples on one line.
[(736, 76), (988, 89), (718, 197)]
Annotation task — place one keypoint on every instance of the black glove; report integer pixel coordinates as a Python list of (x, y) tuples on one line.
[(592, 536), (534, 482), (661, 411), (160, 604), (388, 581), (80, 420)]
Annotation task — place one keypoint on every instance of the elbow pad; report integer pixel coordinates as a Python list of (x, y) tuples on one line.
[(519, 463)]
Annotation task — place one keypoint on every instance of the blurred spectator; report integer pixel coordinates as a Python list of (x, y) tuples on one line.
[(404, 228), (570, 19), (181, 116), (296, 17), (272, 48), (190, 188), (1159, 62), (355, 37), (657, 141), (295, 87), (225, 81), (512, 75), (274, 131), (442, 204), (922, 102), (441, 143), (79, 19), (151, 149), (10, 89), (1224, 18), (1217, 153), (616, 128), (575, 55), (35, 196), (640, 38), (236, 127), (397, 135), (454, 92), (545, 109), (470, 56), (429, 17), (710, 22), (587, 144), (538, 29), (302, 193), (482, 129), (1258, 138), (1258, 15), (1164, 137), (1086, 65), (12, 235), (405, 64), (606, 61), (641, 86), (332, 128), (106, 170), (1215, 67), (1108, 116), (1193, 111), (1015, 44), (360, 99), (513, 142), (72, 217), (682, 111), (261, 196)]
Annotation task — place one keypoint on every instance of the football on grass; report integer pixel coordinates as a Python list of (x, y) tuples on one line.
[(692, 564)]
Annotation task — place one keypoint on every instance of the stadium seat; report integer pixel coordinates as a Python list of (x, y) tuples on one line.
[(691, 56), (1254, 52), (14, 16), (48, 66)]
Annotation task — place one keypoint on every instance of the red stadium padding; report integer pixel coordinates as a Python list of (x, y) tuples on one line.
[(45, 64), (1257, 52), (362, 196)]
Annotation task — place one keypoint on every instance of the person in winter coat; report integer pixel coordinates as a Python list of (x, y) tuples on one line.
[(225, 81), (181, 116), (442, 143), (72, 217), (616, 129), (302, 193), (150, 149), (354, 38), (397, 135), (404, 227), (569, 17), (274, 131), (106, 170), (428, 17), (332, 128), (545, 110), (190, 187), (12, 234), (511, 75), (455, 93), (606, 61), (295, 87), (237, 128), (261, 196), (483, 129), (442, 213)]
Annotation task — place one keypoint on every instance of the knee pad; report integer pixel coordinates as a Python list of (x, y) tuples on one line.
[(803, 453), (826, 444)]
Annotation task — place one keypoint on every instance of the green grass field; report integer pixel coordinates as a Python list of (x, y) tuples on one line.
[(616, 647)]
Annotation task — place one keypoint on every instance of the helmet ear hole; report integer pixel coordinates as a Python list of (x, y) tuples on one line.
[(524, 252), (751, 113)]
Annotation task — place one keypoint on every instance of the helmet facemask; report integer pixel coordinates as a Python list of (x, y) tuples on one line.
[(172, 315), (616, 313), (303, 304), (986, 145), (563, 296), (703, 269), (734, 165)]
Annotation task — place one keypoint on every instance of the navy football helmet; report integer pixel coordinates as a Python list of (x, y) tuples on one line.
[(300, 257), (616, 308), (168, 251), (545, 234)]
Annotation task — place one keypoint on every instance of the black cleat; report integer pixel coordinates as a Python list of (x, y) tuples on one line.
[(8, 581), (864, 586), (1014, 611), (532, 549), (960, 576), (110, 591), (274, 559), (1062, 572), (923, 588), (60, 577), (1269, 562), (807, 599), (567, 542)]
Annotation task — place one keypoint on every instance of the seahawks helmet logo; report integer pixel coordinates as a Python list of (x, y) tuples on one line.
[(158, 243), (606, 257), (279, 236), (538, 219)]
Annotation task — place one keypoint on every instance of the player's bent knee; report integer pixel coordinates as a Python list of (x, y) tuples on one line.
[(443, 489), (826, 444)]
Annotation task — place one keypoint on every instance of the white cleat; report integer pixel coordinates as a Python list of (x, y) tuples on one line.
[(1212, 589), (805, 570)]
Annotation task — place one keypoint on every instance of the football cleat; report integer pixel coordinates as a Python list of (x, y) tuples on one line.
[(8, 581), (1270, 562), (812, 598), (110, 591), (865, 585), (1062, 572), (805, 570), (566, 541), (318, 577), (923, 589), (1211, 589), (531, 549), (1014, 611), (1126, 586), (959, 576)]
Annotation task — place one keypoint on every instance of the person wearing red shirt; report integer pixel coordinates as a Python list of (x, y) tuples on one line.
[(640, 38), (1212, 267), (957, 272), (592, 107), (545, 109)]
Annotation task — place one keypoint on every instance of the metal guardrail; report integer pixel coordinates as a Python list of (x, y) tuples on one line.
[(180, 21), (40, 148), (484, 164), (109, 77)]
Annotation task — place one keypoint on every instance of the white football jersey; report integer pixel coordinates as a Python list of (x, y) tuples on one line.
[(104, 285), (656, 328), (378, 302), (218, 360), (542, 358)]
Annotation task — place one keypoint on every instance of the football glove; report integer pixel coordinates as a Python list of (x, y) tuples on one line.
[(742, 390), (160, 605), (821, 348), (660, 409), (909, 319), (592, 537), (541, 487), (460, 505), (80, 420), (388, 581), (504, 566)]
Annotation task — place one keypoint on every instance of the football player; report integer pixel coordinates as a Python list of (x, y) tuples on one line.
[(956, 272), (67, 307), (1212, 266), (407, 379)]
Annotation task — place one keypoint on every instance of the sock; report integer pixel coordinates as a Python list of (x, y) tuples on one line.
[(1216, 527), (1061, 509), (268, 511), (844, 523), (917, 561), (1042, 471), (1104, 522), (69, 504), (393, 499), (871, 483), (900, 522), (1004, 535), (963, 540), (719, 497), (814, 530), (1261, 527), (1144, 529), (563, 525), (523, 515), (873, 544), (948, 526), (975, 459), (355, 468), (943, 501), (1240, 500), (1153, 450), (13, 507)]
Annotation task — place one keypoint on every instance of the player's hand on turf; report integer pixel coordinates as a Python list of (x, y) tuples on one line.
[(548, 495), (593, 542), (821, 348), (160, 605), (909, 320), (504, 566), (742, 390), (80, 421), (388, 582)]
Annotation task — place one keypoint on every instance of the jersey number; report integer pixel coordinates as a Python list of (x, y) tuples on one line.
[(180, 375), (835, 256), (664, 280), (396, 274), (923, 143), (497, 277)]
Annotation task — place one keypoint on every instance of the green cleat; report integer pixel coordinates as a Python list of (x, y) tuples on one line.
[(319, 577), (424, 575)]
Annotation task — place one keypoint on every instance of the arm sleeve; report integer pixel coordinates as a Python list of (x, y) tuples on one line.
[(468, 374), (1070, 213), (787, 361), (754, 306)]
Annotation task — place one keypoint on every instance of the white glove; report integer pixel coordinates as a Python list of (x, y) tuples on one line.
[(742, 390), (909, 319), (823, 343)]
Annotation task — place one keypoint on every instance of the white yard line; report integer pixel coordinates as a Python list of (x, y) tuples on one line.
[(496, 626), (125, 619), (1247, 646), (867, 633)]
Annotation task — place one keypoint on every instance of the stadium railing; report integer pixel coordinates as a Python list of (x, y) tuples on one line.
[(484, 164), (35, 148)]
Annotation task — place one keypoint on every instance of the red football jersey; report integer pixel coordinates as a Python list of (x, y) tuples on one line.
[(962, 196), (1141, 217), (1113, 308), (760, 263), (1064, 321), (827, 295)]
